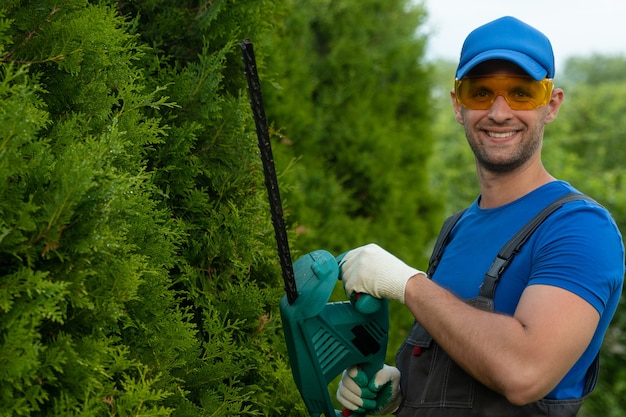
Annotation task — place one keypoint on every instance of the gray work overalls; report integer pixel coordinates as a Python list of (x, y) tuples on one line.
[(433, 385)]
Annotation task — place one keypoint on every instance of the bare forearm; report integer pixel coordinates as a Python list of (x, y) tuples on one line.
[(522, 357), (496, 349)]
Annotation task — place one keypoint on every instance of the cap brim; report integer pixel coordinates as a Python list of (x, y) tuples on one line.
[(528, 64)]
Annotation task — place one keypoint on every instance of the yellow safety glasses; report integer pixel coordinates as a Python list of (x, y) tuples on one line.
[(520, 93)]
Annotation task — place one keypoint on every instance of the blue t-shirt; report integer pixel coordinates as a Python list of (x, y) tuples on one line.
[(578, 248)]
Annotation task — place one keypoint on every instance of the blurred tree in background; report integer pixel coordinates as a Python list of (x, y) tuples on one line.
[(348, 92)]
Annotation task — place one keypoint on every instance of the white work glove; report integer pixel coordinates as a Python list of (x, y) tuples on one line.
[(380, 395), (372, 270)]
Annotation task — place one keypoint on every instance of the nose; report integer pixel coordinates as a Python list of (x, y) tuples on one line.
[(500, 109)]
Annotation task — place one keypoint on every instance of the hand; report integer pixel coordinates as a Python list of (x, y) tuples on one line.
[(372, 270), (380, 395)]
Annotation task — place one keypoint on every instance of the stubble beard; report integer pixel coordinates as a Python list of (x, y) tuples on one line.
[(517, 157)]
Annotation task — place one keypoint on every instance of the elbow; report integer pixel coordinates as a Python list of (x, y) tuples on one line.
[(521, 398), (526, 388)]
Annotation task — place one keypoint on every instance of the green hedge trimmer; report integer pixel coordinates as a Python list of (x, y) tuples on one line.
[(323, 338)]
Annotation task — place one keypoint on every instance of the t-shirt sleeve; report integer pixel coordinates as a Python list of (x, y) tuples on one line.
[(581, 250)]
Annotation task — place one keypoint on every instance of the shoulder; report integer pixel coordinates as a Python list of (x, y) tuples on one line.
[(588, 220), (582, 216), (580, 248)]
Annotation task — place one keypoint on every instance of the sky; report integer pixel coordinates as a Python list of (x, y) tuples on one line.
[(574, 27)]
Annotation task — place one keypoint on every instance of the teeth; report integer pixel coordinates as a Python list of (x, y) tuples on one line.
[(500, 135)]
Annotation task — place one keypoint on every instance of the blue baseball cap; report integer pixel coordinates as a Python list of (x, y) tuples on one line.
[(512, 40)]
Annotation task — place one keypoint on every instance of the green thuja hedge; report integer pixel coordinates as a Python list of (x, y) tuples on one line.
[(138, 269), (137, 263)]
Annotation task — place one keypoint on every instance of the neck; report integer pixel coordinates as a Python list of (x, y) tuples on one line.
[(497, 189)]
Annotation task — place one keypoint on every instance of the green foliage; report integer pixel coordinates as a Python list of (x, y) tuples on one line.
[(348, 97), (125, 293), (138, 269), (90, 323), (453, 173), (209, 176), (594, 70)]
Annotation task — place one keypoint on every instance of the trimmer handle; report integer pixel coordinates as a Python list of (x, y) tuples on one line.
[(324, 338), (364, 303), (370, 369)]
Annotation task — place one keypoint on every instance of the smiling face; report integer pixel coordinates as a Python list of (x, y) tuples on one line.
[(504, 140)]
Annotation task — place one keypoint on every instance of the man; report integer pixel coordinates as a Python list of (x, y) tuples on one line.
[(532, 351)]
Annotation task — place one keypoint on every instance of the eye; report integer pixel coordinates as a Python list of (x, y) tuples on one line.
[(520, 94), (482, 94)]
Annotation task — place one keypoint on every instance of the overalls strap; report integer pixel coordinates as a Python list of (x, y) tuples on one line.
[(442, 241), (433, 385), (513, 246)]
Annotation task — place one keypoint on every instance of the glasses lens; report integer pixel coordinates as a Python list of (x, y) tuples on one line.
[(520, 93)]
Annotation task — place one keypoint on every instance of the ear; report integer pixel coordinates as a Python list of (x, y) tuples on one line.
[(457, 108), (554, 105)]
